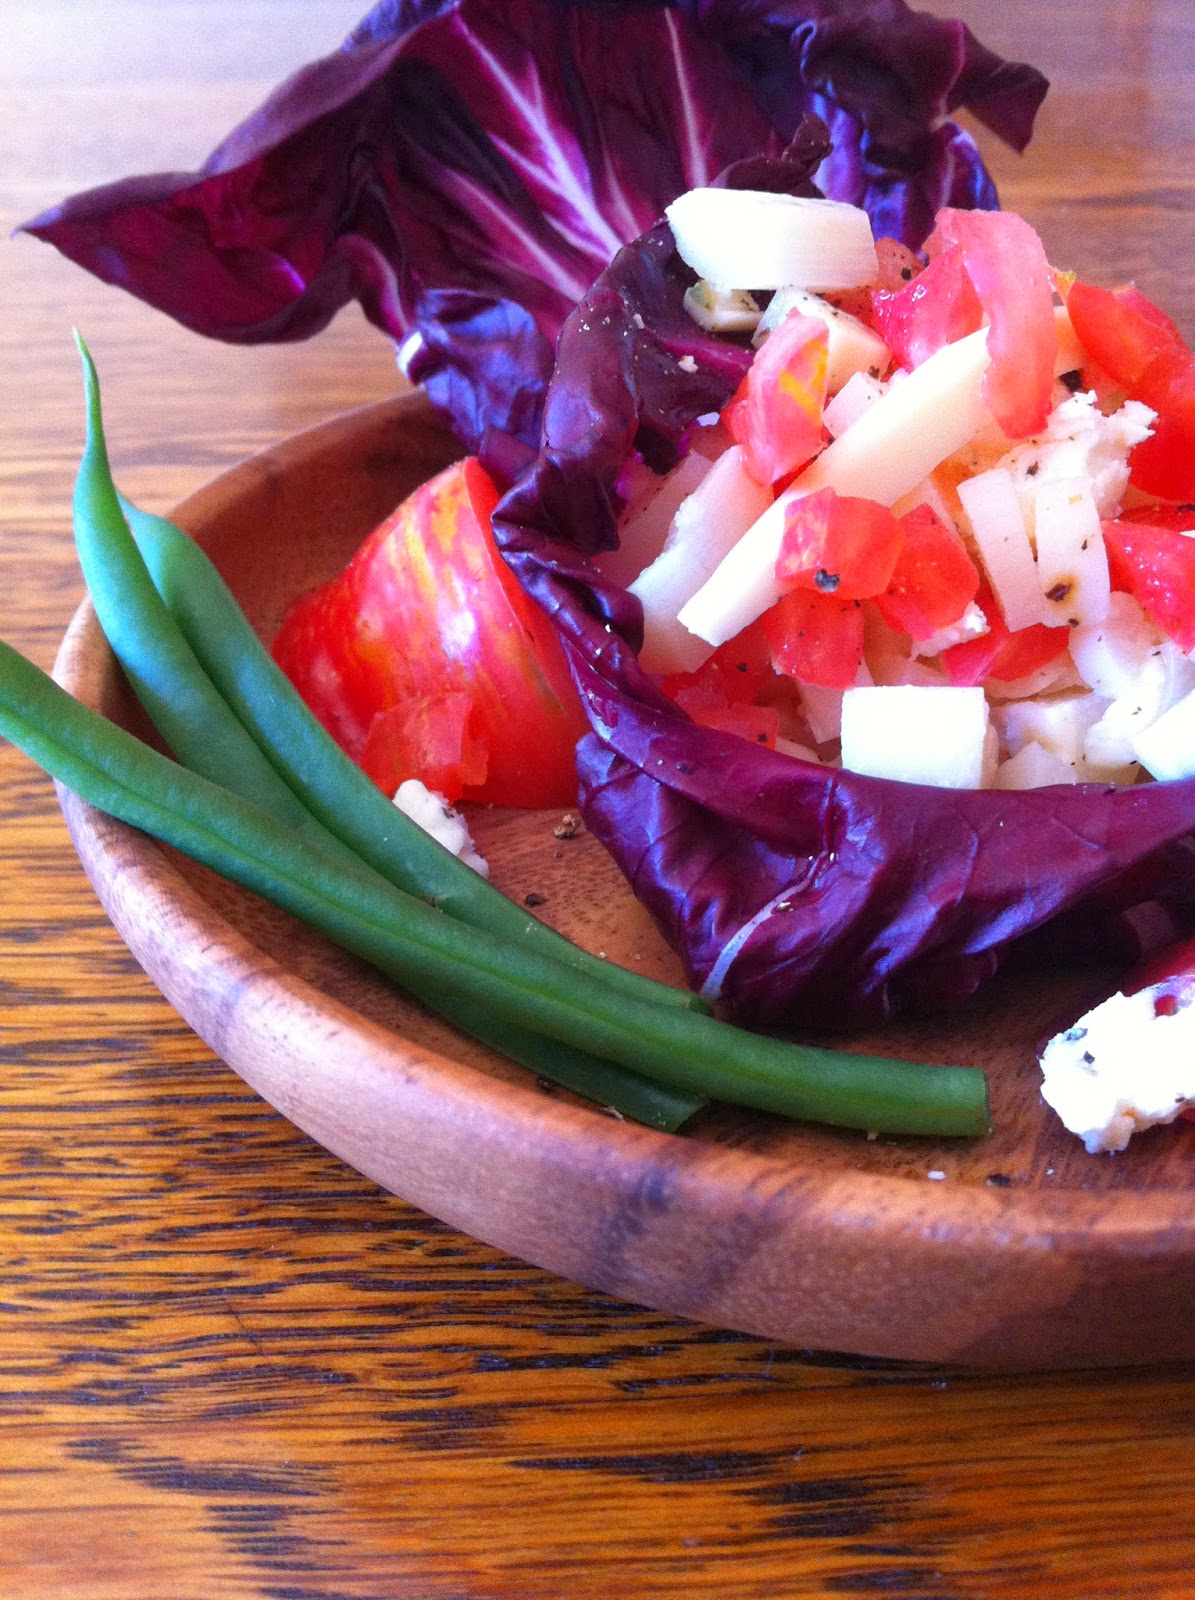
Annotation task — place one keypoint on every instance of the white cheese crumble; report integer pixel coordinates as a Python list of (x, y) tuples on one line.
[(1078, 441), (435, 816), (1120, 1069)]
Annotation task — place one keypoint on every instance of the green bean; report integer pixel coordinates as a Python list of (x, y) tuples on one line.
[(332, 786), (115, 772), (178, 696), (427, 949), (627, 1093), (207, 736)]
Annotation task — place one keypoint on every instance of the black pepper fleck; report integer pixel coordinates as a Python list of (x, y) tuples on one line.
[(999, 1180), (1072, 379), (534, 899)]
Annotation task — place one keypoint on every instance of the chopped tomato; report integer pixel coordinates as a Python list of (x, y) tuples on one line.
[(935, 308), (896, 264), (838, 545), (1155, 563), (1165, 463), (934, 579), (1179, 519), (1001, 655), (722, 692), (1143, 351), (736, 674), (1008, 269), (425, 659), (776, 415), (757, 724), (1122, 330), (816, 638)]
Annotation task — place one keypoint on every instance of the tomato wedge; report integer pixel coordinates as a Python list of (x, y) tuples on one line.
[(425, 659)]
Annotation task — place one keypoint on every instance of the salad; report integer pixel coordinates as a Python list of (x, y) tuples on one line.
[(802, 890), (466, 184), (903, 546)]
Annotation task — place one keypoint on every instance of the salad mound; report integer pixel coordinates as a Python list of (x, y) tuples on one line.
[(874, 595)]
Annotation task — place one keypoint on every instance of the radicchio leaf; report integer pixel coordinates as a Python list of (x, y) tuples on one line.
[(795, 893), (466, 168)]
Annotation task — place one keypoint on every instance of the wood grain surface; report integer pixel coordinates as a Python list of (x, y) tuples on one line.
[(231, 1367)]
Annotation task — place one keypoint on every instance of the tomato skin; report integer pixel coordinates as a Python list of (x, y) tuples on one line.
[(817, 638), (776, 413), (722, 692), (934, 580), (936, 307), (735, 675), (424, 658), (1155, 563), (838, 545), (1122, 331), (1000, 654), (1143, 351), (1007, 266)]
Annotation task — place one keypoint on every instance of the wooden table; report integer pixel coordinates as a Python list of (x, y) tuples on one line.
[(229, 1366)]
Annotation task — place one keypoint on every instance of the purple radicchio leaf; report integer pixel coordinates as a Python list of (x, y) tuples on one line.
[(795, 893), (467, 169)]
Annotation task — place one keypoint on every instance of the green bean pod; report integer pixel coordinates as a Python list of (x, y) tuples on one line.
[(179, 698), (427, 950), (207, 736)]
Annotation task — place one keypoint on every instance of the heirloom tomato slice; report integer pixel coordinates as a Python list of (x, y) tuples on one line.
[(424, 658)]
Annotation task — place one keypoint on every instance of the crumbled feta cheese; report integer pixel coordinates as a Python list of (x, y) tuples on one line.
[(435, 816), (1166, 677), (1080, 442), (1120, 1069), (971, 625)]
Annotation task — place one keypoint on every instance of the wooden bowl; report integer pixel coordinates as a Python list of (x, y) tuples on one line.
[(1017, 1250)]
